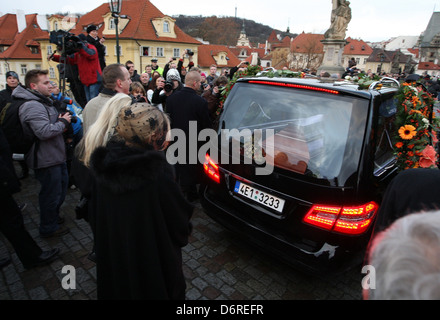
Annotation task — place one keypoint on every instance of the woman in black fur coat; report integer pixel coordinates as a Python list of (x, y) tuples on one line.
[(142, 220)]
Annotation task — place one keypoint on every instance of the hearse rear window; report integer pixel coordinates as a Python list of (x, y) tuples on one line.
[(315, 133)]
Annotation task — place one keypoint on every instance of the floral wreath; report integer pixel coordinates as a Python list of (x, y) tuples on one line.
[(415, 140)]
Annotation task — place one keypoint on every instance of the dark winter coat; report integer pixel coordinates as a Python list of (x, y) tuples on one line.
[(411, 191), (142, 222), (9, 183), (186, 106)]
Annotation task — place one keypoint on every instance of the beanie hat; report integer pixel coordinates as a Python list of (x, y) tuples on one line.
[(12, 74), (173, 74), (91, 28)]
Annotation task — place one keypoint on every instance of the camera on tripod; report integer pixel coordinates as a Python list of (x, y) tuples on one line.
[(67, 43)]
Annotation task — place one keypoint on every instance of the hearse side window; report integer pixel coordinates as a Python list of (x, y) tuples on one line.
[(384, 154)]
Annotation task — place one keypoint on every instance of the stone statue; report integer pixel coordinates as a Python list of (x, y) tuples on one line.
[(341, 16)]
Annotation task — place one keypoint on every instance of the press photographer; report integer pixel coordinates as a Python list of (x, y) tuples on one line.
[(165, 89), (213, 96), (77, 51), (74, 132)]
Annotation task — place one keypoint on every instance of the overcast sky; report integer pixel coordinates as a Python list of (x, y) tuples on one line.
[(373, 20)]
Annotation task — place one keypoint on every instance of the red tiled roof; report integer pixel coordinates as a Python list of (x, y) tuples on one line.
[(415, 52), (207, 51), (357, 47), (19, 48), (428, 66), (140, 26), (306, 42)]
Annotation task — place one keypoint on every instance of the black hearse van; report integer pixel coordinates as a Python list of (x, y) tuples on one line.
[(314, 158)]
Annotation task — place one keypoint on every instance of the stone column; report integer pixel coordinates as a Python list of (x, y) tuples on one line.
[(333, 50)]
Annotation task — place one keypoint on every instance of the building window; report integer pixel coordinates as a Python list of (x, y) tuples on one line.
[(358, 60), (159, 52), (55, 25), (49, 49), (38, 66), (166, 27), (146, 51), (6, 67), (51, 73), (365, 60), (176, 52), (23, 69), (34, 50), (112, 25)]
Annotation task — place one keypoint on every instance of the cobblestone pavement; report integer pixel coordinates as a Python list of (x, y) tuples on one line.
[(217, 265)]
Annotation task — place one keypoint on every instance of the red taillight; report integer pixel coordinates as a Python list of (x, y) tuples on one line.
[(347, 220), (211, 169)]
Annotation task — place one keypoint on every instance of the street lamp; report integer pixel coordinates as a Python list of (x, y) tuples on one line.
[(115, 8)]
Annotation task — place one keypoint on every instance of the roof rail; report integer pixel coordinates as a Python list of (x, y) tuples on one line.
[(385, 80)]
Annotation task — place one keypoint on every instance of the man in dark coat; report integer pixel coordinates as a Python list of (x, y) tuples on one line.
[(12, 82), (411, 191), (93, 38), (142, 219), (185, 106), (11, 219)]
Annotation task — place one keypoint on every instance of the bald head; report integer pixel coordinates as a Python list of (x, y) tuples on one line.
[(192, 80)]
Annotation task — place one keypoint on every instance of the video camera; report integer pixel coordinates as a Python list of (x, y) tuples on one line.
[(67, 43), (189, 52)]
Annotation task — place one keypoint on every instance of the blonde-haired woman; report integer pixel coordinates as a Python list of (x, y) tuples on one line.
[(142, 220), (98, 134), (103, 129)]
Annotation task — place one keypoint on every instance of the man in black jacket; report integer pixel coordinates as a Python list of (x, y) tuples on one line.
[(186, 108), (12, 82), (92, 38), (11, 219)]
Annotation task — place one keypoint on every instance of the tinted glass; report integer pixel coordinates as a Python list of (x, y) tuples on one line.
[(316, 134)]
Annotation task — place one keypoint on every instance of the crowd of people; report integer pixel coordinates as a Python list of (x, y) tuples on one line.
[(112, 148)]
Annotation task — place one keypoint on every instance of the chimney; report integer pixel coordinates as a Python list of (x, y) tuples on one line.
[(21, 20), (42, 22)]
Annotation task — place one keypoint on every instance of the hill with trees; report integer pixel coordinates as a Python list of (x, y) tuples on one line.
[(225, 30)]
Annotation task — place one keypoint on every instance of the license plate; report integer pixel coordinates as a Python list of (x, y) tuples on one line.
[(259, 196)]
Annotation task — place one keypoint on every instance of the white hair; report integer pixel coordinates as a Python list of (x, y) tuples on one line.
[(406, 258)]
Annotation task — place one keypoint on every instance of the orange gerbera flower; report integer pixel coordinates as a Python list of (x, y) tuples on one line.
[(407, 132)]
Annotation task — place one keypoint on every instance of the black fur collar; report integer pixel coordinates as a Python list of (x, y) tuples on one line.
[(124, 169)]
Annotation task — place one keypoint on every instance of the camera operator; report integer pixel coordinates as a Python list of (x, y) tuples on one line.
[(171, 85), (213, 96), (180, 68), (85, 56)]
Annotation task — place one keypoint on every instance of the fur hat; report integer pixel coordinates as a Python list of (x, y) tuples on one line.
[(173, 74), (12, 74), (91, 28)]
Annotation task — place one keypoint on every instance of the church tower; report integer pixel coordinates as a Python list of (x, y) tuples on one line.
[(243, 40)]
